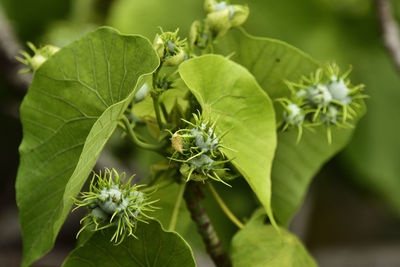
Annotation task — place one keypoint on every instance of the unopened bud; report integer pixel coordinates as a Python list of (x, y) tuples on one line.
[(169, 48)]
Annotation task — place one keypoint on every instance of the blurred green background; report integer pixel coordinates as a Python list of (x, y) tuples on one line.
[(354, 201)]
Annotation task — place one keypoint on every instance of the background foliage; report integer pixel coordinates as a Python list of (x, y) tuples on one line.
[(343, 30)]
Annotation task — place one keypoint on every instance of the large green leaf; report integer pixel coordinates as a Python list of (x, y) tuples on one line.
[(230, 95), (260, 245), (272, 62), (154, 247), (72, 107)]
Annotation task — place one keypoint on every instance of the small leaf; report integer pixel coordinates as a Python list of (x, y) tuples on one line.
[(72, 107), (260, 245), (272, 62), (229, 95), (153, 247)]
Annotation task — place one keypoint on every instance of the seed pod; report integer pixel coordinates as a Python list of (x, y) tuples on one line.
[(200, 35), (197, 149), (222, 16), (324, 97), (112, 202), (169, 48)]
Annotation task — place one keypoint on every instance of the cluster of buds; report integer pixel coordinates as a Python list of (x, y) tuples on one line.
[(200, 35), (40, 55), (197, 149), (170, 48), (114, 202), (325, 97), (222, 16)]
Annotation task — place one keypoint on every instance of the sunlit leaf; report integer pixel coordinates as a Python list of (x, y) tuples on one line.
[(73, 105), (153, 247), (272, 62), (229, 95), (260, 245)]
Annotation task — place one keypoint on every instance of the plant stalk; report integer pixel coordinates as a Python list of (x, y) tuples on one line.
[(225, 208), (177, 206), (132, 135), (156, 106), (192, 196)]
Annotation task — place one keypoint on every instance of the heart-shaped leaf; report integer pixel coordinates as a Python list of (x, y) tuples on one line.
[(272, 62), (229, 95), (153, 247), (260, 245), (73, 106)]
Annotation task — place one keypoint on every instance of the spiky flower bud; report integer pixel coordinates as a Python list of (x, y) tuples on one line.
[(222, 16), (325, 97), (197, 148), (114, 202), (294, 115), (200, 35), (170, 48), (39, 57)]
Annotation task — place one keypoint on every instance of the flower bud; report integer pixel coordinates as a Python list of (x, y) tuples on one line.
[(169, 48), (142, 93), (158, 46), (324, 97), (219, 22), (222, 16), (39, 57), (210, 5), (240, 14), (197, 149), (112, 202), (199, 36)]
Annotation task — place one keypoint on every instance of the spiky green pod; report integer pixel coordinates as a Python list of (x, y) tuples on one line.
[(222, 16), (114, 202), (197, 148), (324, 97), (170, 48)]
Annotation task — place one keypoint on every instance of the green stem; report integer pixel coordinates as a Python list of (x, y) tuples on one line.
[(157, 111), (164, 111), (177, 206), (225, 208), (135, 140)]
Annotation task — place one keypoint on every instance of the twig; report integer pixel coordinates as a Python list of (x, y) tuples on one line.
[(199, 215), (390, 30)]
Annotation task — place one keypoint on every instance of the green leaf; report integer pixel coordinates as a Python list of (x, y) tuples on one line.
[(154, 247), (73, 105), (260, 245), (296, 164), (272, 62), (230, 95)]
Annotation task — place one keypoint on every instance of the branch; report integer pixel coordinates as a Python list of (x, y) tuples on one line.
[(9, 49), (390, 30), (199, 215)]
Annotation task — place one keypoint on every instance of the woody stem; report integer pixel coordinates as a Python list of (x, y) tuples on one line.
[(192, 196)]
